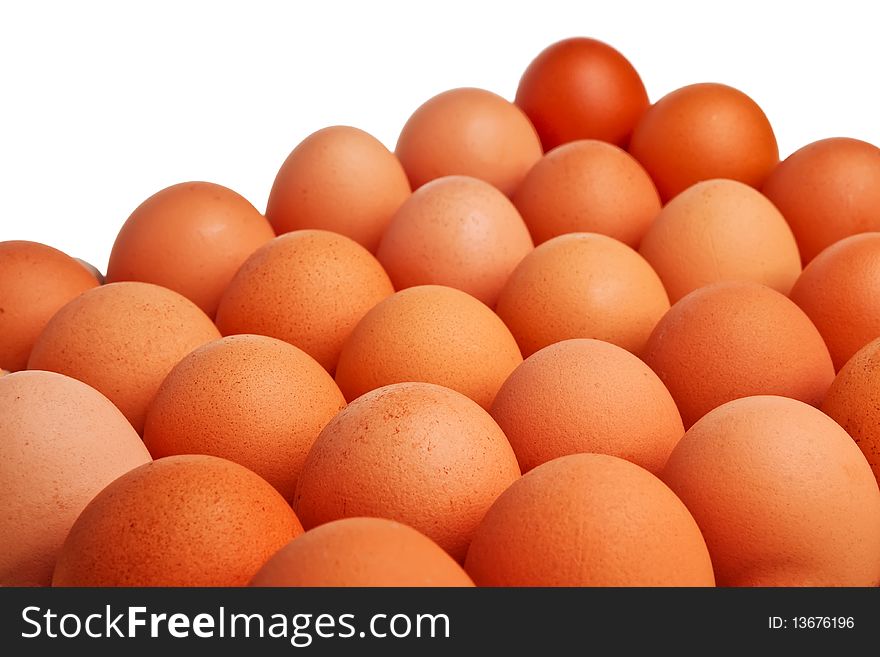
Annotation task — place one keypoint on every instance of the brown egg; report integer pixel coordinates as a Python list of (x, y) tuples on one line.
[(582, 88), (854, 401), (418, 453), (828, 190), (840, 292), (308, 288), (587, 396), (61, 442), (589, 520), (704, 131), (588, 186), (361, 552), (190, 238), (122, 339), (339, 179), (732, 340), (582, 285), (35, 281), (471, 132), (782, 495), (251, 399), (456, 231), (721, 230), (179, 521), (433, 334)]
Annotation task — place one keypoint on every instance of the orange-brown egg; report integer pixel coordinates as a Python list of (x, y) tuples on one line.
[(252, 399), (588, 186), (731, 340), (340, 179), (587, 396), (61, 442), (122, 339), (828, 190), (582, 285), (418, 453), (178, 521), (433, 334), (35, 281), (589, 520), (704, 131), (456, 231), (471, 132), (782, 495), (840, 292), (190, 238), (721, 230), (853, 401), (362, 552), (308, 288)]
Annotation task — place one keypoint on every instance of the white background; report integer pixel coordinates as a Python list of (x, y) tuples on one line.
[(103, 104)]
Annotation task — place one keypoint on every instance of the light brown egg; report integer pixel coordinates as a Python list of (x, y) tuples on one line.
[(731, 340), (588, 186), (782, 495), (61, 442), (470, 132), (721, 230), (340, 179), (840, 292), (179, 521), (582, 285), (433, 334), (417, 453), (704, 131), (308, 288), (587, 396), (456, 231), (251, 399), (123, 339), (190, 238), (589, 520), (828, 190), (362, 552), (35, 281)]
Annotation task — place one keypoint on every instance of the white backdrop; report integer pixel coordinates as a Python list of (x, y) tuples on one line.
[(103, 104)]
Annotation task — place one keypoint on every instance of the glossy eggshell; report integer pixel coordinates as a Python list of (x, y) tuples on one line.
[(179, 521), (418, 453), (362, 552), (589, 520), (432, 334), (456, 231), (251, 399), (61, 442), (123, 339), (309, 288), (35, 282), (587, 396), (731, 340), (782, 495), (340, 179), (470, 132)]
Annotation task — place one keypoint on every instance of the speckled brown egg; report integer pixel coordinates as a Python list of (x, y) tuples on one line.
[(456, 231), (418, 453), (61, 442), (35, 281), (308, 288), (179, 521), (252, 399), (362, 552), (123, 339), (433, 334)]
